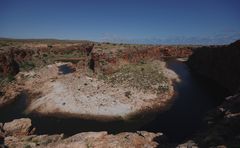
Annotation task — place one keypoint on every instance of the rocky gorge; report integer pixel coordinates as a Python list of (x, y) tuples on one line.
[(111, 82)]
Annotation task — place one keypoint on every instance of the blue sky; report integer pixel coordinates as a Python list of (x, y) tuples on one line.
[(131, 21)]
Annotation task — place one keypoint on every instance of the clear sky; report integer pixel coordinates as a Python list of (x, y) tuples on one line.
[(133, 21)]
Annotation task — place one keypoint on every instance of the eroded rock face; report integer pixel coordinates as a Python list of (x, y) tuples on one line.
[(9, 94), (108, 58), (27, 56), (8, 65), (85, 139), (219, 63)]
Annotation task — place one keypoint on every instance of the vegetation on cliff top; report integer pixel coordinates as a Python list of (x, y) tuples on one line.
[(143, 76)]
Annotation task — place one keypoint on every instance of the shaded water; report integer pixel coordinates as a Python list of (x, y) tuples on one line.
[(195, 96)]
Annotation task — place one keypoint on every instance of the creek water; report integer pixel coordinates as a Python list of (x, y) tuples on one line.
[(195, 97)]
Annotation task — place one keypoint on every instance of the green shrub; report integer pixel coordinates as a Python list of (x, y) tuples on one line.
[(28, 65)]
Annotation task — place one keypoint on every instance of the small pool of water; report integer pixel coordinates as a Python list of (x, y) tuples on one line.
[(65, 69)]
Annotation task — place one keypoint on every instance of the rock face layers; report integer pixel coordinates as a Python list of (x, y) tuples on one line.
[(8, 65), (108, 58), (99, 56), (219, 63), (28, 56), (13, 139)]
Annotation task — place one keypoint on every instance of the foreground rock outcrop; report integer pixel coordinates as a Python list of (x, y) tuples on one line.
[(18, 127), (139, 139)]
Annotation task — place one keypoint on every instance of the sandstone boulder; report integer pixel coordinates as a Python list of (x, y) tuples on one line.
[(18, 127)]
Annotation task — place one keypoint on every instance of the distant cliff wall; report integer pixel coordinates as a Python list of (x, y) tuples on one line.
[(13, 59), (219, 63), (100, 57), (110, 59)]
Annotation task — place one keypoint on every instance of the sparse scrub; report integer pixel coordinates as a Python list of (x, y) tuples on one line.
[(143, 76), (50, 46), (3, 44), (73, 54), (4, 81)]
